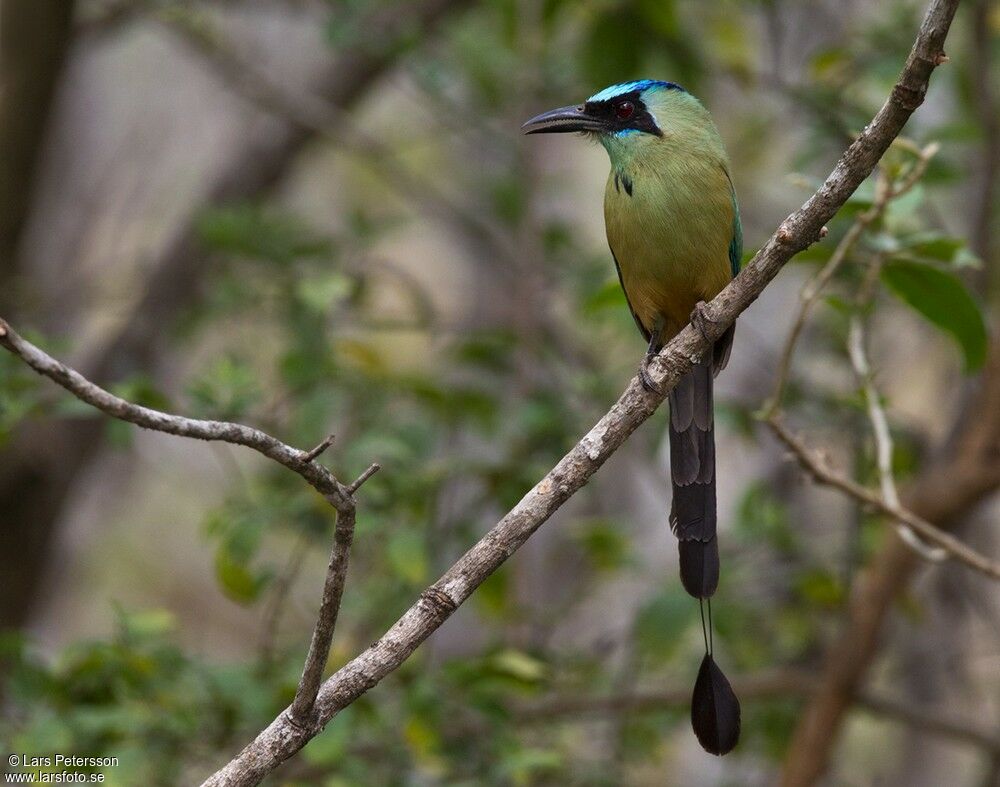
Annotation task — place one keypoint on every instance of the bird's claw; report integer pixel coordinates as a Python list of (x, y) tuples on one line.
[(645, 379), (700, 320)]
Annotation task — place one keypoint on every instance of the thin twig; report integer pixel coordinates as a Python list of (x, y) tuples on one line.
[(301, 711), (883, 437), (372, 470), (295, 459), (319, 449), (885, 191), (807, 299), (817, 467)]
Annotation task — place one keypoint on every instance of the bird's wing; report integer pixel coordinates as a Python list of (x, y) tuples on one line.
[(725, 343), (736, 244), (635, 316)]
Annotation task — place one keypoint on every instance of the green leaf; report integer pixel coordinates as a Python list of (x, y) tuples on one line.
[(320, 293), (518, 664), (235, 578), (934, 245), (944, 301)]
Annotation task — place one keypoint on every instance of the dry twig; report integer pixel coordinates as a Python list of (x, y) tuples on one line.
[(340, 497), (820, 471), (886, 190)]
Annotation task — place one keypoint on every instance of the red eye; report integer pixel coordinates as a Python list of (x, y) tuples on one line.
[(624, 110)]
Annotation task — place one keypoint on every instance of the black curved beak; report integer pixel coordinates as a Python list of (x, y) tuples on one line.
[(562, 120)]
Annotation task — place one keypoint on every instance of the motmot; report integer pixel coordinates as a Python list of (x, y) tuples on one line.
[(673, 225)]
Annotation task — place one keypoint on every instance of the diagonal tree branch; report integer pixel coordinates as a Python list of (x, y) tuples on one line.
[(281, 739)]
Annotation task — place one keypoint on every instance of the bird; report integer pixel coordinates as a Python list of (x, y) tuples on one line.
[(673, 225)]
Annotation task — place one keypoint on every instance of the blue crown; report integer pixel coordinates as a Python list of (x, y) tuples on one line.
[(641, 85)]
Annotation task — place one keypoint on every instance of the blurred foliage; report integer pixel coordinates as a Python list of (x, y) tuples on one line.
[(465, 418)]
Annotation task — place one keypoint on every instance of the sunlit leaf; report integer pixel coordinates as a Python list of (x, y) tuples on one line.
[(520, 665)]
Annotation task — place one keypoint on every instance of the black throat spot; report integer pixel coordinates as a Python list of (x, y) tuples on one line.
[(624, 180)]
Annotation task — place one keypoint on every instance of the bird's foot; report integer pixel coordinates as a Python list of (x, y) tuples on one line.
[(700, 320), (644, 378)]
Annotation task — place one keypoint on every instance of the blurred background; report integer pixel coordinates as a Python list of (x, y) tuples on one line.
[(321, 217)]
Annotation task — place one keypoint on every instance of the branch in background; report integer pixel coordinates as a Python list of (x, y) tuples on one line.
[(814, 464), (880, 431), (280, 740), (885, 191), (577, 708), (764, 686), (949, 487), (298, 461), (317, 116)]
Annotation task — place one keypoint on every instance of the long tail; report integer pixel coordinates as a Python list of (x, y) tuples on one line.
[(715, 709), (692, 470)]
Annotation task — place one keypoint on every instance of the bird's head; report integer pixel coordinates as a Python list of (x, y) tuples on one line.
[(625, 117)]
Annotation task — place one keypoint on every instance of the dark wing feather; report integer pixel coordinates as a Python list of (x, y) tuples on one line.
[(638, 322)]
